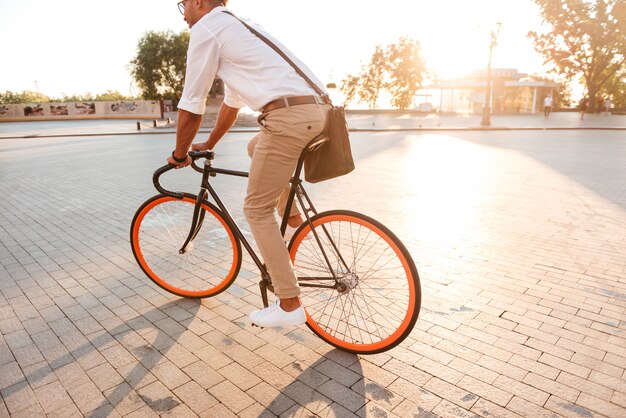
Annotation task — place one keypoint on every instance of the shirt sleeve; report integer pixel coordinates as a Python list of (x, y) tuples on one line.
[(202, 63), (232, 99)]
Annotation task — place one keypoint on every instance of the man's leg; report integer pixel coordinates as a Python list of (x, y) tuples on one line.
[(282, 139), (295, 218)]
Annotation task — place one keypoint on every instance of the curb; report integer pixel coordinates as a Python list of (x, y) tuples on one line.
[(253, 130)]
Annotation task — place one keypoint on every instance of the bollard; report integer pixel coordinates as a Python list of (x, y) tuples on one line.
[(169, 120), (154, 123), (138, 126)]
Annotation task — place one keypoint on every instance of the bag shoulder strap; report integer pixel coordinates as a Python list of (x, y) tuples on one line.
[(264, 38)]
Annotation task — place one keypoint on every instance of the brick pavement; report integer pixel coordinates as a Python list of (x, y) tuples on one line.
[(519, 238)]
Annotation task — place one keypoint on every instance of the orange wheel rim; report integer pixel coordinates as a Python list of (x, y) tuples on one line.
[(146, 267)]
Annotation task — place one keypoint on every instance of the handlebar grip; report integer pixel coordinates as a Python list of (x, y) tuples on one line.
[(209, 155), (157, 183)]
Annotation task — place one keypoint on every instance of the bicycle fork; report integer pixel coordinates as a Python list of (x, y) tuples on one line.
[(196, 222)]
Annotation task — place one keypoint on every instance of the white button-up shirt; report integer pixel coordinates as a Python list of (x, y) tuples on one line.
[(252, 72)]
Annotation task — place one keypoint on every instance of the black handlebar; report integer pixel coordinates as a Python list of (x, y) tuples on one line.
[(195, 155)]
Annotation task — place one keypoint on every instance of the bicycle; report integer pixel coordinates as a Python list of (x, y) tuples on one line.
[(360, 287)]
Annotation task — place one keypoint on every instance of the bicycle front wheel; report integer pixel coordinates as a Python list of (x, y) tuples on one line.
[(208, 264), (373, 303)]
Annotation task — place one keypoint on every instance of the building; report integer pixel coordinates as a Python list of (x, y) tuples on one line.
[(511, 92)]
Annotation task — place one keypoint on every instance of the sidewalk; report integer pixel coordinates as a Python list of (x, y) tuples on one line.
[(377, 121), (519, 238)]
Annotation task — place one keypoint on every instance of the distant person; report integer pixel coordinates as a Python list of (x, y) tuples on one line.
[(607, 106), (547, 106), (583, 107)]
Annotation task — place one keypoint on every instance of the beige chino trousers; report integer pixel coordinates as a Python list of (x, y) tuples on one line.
[(275, 152)]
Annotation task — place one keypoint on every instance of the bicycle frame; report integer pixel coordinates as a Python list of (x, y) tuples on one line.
[(296, 191)]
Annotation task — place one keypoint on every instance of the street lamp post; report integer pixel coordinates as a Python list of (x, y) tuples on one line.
[(486, 120)]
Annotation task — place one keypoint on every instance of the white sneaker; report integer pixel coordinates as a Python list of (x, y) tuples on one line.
[(274, 316)]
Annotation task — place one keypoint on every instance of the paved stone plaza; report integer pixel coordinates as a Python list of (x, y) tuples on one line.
[(519, 238)]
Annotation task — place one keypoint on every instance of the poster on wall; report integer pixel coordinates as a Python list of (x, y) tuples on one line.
[(10, 111), (33, 110), (58, 109), (84, 108), (140, 109), (122, 108)]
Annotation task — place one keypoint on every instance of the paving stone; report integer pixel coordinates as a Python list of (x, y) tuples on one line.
[(276, 402), (600, 406), (87, 397), (195, 397), (159, 398), (19, 397), (231, 396), (568, 409), (450, 392), (552, 387), (529, 409), (52, 397), (124, 399), (523, 300), (330, 391)]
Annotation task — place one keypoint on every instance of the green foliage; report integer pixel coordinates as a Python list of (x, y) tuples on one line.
[(397, 68), (112, 95), (87, 97), (160, 63), (350, 87), (615, 89), (407, 69), (585, 39), (9, 97)]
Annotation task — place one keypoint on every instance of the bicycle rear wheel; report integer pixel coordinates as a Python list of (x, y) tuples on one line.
[(377, 298), (209, 264)]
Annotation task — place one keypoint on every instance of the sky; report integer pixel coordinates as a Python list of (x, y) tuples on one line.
[(82, 46)]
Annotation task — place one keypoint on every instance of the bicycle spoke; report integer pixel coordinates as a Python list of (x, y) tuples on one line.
[(373, 297), (163, 227)]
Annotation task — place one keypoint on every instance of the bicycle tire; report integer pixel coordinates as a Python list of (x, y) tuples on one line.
[(208, 266), (381, 296)]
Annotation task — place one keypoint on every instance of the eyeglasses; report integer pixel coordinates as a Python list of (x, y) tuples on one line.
[(181, 7)]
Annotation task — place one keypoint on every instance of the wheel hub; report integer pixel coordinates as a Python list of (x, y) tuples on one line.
[(347, 282)]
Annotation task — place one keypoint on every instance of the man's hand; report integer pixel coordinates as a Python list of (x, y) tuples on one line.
[(178, 165), (201, 146)]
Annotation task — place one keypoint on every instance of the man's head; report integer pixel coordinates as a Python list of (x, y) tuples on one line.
[(194, 10)]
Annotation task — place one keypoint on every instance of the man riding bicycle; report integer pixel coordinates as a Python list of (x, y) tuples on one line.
[(292, 114)]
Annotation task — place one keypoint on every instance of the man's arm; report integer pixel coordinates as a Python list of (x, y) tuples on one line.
[(186, 129), (225, 120)]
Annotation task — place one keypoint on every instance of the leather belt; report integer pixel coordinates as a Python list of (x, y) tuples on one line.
[(290, 101)]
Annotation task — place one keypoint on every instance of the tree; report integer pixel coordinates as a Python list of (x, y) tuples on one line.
[(373, 78), (350, 87), (160, 63), (87, 97), (615, 89), (397, 68), (111, 95), (369, 83), (9, 97), (406, 70), (585, 39)]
